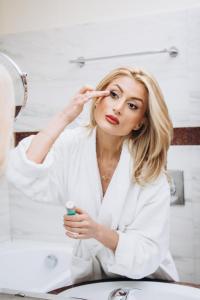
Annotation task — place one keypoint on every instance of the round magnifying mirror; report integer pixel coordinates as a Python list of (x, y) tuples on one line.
[(19, 79)]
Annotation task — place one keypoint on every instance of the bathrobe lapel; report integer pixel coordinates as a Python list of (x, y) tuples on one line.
[(108, 208), (115, 196)]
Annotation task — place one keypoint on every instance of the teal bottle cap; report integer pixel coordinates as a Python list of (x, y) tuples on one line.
[(70, 208)]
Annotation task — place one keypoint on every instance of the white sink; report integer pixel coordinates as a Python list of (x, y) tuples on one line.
[(141, 290)]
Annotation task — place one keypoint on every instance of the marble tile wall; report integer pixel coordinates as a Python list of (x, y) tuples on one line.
[(45, 56), (185, 220)]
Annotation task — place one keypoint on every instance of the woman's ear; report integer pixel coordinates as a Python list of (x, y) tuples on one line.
[(137, 127), (141, 124)]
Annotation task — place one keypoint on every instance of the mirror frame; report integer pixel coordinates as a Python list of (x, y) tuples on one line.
[(23, 77)]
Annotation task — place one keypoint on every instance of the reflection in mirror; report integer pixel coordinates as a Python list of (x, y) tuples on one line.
[(40, 249), (19, 80)]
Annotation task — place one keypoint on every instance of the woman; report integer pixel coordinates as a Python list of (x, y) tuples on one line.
[(6, 116), (114, 171)]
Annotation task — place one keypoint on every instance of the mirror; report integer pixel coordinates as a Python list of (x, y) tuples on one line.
[(53, 80), (19, 80)]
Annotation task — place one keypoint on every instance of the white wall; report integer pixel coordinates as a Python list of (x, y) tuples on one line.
[(25, 15)]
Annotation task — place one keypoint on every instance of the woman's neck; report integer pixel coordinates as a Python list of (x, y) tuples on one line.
[(108, 146)]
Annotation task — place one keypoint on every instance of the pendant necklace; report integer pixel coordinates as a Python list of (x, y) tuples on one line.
[(105, 177)]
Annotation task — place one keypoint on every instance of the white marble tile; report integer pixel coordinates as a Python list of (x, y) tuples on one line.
[(4, 225), (45, 56), (179, 246), (196, 212), (182, 231), (182, 212), (193, 63), (197, 241), (186, 267), (192, 187), (184, 158), (197, 271), (196, 221), (196, 186)]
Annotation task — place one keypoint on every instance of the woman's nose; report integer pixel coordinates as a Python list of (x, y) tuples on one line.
[(117, 107)]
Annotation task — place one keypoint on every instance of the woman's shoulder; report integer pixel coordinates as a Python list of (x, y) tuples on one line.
[(162, 178), (157, 186)]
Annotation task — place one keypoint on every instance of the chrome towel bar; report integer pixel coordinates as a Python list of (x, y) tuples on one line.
[(172, 51)]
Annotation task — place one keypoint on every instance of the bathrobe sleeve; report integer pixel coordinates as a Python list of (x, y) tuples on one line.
[(46, 181), (143, 244)]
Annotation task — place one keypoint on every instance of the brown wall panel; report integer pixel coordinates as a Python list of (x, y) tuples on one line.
[(182, 136)]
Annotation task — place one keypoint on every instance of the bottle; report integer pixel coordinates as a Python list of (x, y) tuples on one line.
[(70, 207)]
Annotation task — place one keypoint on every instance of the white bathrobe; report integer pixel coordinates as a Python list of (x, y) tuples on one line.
[(139, 214)]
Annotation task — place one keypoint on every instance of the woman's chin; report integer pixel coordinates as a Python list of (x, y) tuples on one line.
[(109, 129)]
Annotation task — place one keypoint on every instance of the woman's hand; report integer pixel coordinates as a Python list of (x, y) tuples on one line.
[(80, 226), (75, 107)]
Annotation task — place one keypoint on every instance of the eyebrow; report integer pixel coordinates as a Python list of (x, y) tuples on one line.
[(132, 98)]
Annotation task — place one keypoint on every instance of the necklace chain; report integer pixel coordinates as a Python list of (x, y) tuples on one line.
[(105, 177)]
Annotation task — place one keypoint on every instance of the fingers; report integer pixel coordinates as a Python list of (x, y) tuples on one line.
[(74, 224), (89, 92), (79, 226), (85, 89), (79, 210), (75, 235), (75, 230), (74, 218), (86, 94), (93, 94)]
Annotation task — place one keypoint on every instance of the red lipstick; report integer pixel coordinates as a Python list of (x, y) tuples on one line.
[(112, 119)]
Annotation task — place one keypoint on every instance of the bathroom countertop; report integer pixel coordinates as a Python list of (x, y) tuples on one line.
[(57, 291)]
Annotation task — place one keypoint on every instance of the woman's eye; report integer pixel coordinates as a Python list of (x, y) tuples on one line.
[(114, 95), (132, 106)]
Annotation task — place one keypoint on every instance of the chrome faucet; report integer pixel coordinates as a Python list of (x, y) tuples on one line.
[(120, 294)]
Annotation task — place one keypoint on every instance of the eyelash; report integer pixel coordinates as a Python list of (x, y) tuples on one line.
[(116, 96), (133, 107)]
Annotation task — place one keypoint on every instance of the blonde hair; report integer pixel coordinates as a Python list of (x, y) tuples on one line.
[(6, 116), (149, 144)]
